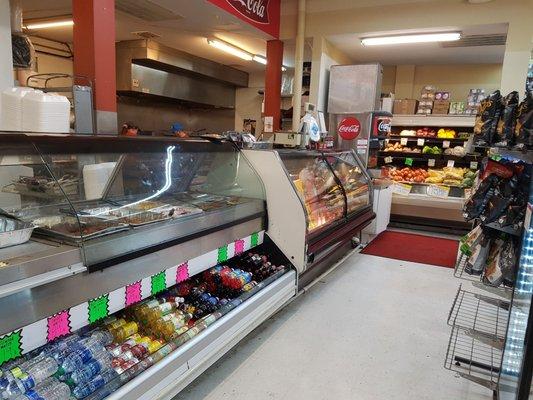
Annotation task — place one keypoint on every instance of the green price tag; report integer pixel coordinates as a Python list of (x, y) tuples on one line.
[(158, 282), (98, 308), (222, 254), (10, 347), (409, 161), (254, 240)]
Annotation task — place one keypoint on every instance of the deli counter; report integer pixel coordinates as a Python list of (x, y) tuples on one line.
[(156, 254), (318, 203)]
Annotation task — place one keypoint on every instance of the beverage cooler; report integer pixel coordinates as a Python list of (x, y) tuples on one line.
[(318, 202), (128, 265)]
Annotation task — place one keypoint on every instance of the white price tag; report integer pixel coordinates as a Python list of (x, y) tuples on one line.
[(420, 142), (446, 144), (431, 162), (438, 191), (451, 163), (401, 188), (473, 165), (388, 160), (403, 141)]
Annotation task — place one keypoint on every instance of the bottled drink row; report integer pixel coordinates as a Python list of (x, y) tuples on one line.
[(94, 363)]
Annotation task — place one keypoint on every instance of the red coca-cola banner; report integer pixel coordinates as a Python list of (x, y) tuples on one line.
[(263, 14)]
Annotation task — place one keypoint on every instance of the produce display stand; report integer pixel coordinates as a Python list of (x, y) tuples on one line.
[(414, 204)]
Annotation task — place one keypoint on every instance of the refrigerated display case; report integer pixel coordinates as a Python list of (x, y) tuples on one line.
[(317, 203), (118, 221)]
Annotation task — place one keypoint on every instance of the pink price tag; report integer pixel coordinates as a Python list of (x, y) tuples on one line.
[(239, 247), (58, 325), (133, 293), (182, 274)]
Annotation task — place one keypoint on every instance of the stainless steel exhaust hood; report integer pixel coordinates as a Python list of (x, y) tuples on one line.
[(148, 69)]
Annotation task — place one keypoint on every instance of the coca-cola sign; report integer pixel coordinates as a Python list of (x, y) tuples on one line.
[(261, 14), (256, 10), (349, 128)]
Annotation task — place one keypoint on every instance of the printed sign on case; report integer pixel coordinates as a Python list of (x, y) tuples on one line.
[(58, 325), (10, 346), (349, 128)]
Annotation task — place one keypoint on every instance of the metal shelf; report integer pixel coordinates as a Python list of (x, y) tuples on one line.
[(448, 121), (473, 359), (459, 272), (482, 317)]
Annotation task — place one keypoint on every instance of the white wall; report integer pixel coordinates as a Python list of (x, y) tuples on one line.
[(248, 102)]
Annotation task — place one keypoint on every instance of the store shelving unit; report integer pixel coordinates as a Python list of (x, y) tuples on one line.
[(459, 121)]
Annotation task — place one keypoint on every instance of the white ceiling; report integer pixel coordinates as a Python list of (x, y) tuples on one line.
[(426, 53), (290, 7)]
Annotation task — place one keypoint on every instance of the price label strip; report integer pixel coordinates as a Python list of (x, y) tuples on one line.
[(473, 165), (10, 346), (222, 254), (58, 325), (98, 308), (388, 160), (451, 163), (159, 282), (133, 293), (401, 188), (438, 191), (254, 240)]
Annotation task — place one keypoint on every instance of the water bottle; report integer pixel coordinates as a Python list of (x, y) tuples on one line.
[(42, 370), (57, 391), (80, 356), (18, 386), (83, 375), (102, 336), (94, 384)]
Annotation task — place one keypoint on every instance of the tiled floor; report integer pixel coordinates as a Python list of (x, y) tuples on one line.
[(374, 328)]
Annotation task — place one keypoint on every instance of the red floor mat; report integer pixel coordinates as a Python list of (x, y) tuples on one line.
[(415, 248)]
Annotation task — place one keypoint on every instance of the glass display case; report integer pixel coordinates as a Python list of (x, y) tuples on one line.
[(331, 186), (116, 198)]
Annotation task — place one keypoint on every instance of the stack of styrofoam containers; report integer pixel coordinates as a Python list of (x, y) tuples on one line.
[(11, 110), (45, 112)]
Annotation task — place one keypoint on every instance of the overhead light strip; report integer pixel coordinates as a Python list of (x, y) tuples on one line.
[(415, 38), (238, 52), (48, 24)]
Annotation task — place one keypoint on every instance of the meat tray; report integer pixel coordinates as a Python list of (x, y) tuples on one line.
[(68, 227)]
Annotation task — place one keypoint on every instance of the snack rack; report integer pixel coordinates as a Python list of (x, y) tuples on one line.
[(482, 334)]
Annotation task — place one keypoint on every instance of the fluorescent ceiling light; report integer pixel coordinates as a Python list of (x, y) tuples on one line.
[(230, 49), (260, 59), (48, 24), (418, 38)]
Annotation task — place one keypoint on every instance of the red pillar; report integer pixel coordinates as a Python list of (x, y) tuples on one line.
[(273, 81), (94, 56)]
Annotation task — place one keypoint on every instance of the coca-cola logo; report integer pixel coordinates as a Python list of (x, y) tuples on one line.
[(255, 10), (384, 126), (349, 128)]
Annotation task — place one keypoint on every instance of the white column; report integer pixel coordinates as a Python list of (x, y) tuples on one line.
[(6, 58), (517, 55)]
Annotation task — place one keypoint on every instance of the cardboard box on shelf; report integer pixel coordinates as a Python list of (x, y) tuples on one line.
[(441, 107), (405, 106)]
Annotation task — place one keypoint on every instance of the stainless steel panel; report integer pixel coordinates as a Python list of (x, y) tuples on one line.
[(158, 56), (182, 87), (354, 88), (35, 258), (83, 109), (121, 243), (43, 301)]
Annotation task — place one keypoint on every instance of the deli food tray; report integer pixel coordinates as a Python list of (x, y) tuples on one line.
[(14, 232), (76, 229)]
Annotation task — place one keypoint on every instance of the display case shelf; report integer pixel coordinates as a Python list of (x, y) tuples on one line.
[(473, 359), (453, 121), (480, 315)]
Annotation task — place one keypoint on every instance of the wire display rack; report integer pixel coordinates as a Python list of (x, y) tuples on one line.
[(480, 315), (473, 359), (477, 280)]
